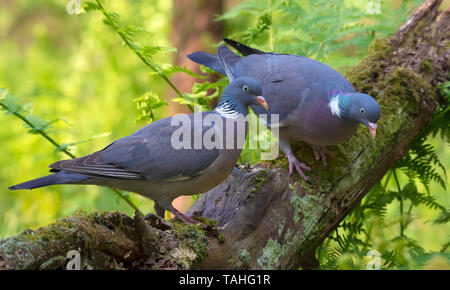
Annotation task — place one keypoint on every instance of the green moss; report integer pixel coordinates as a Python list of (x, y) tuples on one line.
[(28, 236), (212, 228), (92, 216), (193, 237), (426, 66), (206, 221), (280, 162), (260, 178), (60, 231), (403, 90), (221, 237), (367, 72), (408, 86)]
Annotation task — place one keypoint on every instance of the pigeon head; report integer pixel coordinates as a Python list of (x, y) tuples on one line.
[(241, 93), (357, 107)]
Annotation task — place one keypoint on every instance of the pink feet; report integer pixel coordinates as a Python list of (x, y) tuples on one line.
[(321, 152), (186, 219), (298, 166)]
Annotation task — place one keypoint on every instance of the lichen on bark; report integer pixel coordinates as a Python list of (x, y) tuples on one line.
[(107, 240)]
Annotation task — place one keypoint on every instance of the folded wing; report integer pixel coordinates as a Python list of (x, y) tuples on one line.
[(147, 154)]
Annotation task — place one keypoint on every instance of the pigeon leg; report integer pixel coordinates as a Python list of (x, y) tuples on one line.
[(186, 219), (168, 206), (298, 166), (159, 210), (293, 162), (321, 152)]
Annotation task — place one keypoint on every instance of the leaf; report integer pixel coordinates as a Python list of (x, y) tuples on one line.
[(147, 104), (249, 8), (168, 70), (90, 6), (443, 218)]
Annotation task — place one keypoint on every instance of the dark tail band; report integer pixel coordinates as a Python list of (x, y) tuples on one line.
[(242, 48)]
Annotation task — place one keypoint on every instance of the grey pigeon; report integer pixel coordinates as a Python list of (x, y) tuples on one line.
[(315, 103), (147, 163)]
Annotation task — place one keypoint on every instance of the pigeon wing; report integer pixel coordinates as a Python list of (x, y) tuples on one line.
[(147, 154)]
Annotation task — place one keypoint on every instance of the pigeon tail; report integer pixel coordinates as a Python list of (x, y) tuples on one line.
[(244, 49), (207, 59), (61, 177)]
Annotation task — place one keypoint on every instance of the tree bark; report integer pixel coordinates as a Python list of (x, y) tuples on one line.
[(267, 219), (193, 29)]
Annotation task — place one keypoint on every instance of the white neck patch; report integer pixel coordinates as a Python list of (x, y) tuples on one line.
[(334, 106), (226, 112)]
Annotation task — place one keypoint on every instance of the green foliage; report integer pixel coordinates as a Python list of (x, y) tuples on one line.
[(72, 68), (34, 124), (320, 29), (150, 101), (203, 94), (144, 52), (40, 126), (147, 104)]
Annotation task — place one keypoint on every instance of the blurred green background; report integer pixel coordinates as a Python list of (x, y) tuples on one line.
[(76, 68), (71, 67)]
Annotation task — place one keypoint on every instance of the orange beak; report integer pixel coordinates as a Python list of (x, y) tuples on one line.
[(373, 129), (262, 102)]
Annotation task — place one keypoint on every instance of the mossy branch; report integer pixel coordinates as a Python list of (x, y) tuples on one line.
[(109, 240)]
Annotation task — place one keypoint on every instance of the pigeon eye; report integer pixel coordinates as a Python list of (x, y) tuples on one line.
[(245, 88), (363, 112)]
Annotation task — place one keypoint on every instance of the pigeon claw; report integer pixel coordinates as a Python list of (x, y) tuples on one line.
[(321, 152), (186, 219)]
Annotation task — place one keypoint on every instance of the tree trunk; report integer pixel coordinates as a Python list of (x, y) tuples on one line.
[(266, 218), (193, 29)]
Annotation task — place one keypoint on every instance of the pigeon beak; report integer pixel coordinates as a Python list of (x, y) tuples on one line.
[(262, 102), (373, 129)]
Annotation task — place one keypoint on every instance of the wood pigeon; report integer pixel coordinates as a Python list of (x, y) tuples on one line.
[(315, 104), (148, 163)]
